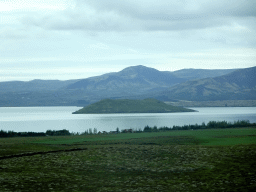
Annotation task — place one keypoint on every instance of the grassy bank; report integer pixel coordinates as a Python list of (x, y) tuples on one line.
[(202, 160)]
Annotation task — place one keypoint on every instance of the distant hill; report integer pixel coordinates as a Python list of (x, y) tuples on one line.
[(201, 73), (238, 85), (130, 106), (34, 85)]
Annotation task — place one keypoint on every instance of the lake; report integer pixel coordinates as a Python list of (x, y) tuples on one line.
[(40, 119)]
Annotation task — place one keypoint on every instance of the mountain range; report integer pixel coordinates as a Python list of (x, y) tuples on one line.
[(138, 82), (130, 81), (237, 85)]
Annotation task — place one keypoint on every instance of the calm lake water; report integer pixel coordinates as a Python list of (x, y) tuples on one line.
[(40, 119)]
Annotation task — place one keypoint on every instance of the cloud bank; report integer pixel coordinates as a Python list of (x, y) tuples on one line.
[(160, 34)]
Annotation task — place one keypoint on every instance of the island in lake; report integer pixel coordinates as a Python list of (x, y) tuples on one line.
[(130, 106)]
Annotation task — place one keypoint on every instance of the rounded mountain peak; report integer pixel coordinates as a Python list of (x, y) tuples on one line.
[(138, 70)]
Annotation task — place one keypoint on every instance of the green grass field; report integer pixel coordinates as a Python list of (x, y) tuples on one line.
[(201, 160), (202, 137)]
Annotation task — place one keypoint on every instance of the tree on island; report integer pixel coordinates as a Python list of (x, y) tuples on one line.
[(117, 130)]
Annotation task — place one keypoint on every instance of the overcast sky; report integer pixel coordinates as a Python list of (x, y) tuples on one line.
[(73, 39)]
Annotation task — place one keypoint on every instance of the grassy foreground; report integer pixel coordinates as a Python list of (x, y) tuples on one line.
[(202, 160)]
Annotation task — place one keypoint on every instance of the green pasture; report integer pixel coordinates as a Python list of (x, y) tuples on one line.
[(191, 160), (235, 136)]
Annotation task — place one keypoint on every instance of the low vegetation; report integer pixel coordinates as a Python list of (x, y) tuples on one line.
[(90, 131), (181, 160), (34, 134)]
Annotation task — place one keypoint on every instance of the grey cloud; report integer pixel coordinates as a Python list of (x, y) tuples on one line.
[(149, 9), (132, 15), (188, 24), (80, 19), (10, 32)]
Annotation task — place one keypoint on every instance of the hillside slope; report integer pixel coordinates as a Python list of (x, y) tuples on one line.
[(238, 85), (129, 81), (201, 73)]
